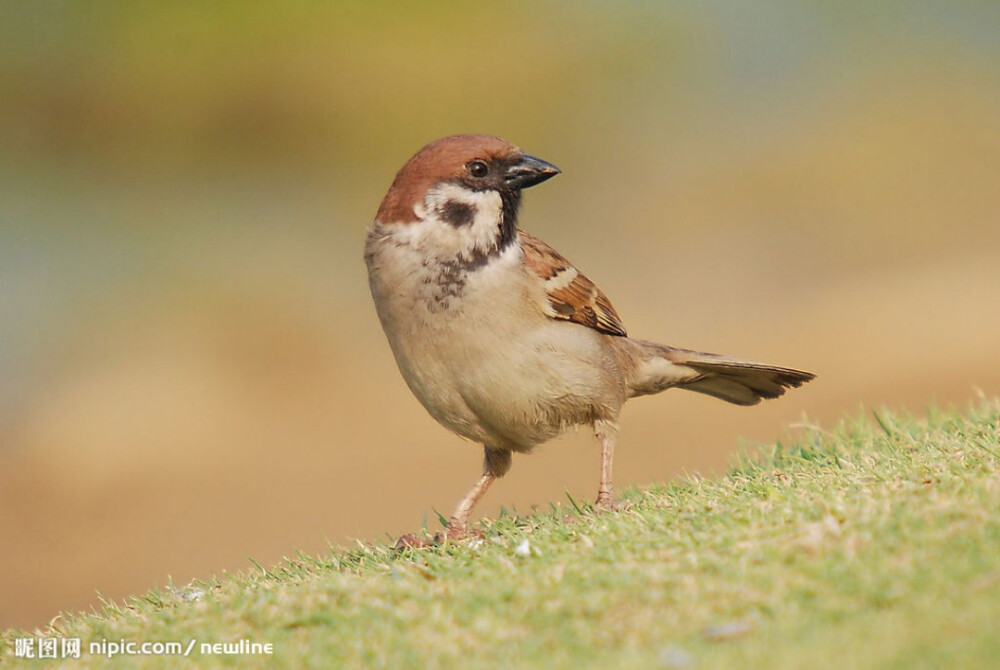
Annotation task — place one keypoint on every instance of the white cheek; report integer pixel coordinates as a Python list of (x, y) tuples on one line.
[(480, 233), (488, 212), (482, 200)]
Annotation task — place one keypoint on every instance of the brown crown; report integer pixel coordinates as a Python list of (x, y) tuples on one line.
[(441, 160)]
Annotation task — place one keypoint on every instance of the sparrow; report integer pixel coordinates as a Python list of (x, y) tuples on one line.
[(501, 338)]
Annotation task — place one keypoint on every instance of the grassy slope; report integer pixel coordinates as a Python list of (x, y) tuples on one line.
[(876, 545)]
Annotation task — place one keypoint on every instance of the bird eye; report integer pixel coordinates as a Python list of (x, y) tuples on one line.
[(478, 169)]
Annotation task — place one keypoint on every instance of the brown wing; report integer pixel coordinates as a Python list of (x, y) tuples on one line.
[(571, 296)]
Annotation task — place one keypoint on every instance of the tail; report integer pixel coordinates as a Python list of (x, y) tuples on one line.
[(651, 368)]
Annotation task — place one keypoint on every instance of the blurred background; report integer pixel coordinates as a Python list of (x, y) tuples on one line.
[(191, 372)]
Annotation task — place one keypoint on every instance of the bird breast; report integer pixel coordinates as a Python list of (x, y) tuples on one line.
[(478, 352)]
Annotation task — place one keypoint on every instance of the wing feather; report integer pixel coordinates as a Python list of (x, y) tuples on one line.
[(571, 295)]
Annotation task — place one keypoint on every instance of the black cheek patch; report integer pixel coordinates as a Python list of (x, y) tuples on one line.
[(458, 213)]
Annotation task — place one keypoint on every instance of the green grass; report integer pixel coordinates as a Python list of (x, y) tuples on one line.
[(876, 544)]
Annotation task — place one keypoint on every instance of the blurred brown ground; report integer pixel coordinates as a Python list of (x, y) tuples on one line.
[(192, 373)]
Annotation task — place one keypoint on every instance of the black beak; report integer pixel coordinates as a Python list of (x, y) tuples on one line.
[(529, 171)]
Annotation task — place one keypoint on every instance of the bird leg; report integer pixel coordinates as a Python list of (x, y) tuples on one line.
[(606, 432), (496, 463)]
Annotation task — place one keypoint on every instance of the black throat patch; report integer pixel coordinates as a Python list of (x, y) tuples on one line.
[(510, 201)]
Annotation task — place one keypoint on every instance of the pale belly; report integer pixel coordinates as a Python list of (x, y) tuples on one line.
[(481, 356), (508, 383), (512, 390)]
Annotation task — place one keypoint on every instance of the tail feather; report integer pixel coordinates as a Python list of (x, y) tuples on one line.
[(657, 367)]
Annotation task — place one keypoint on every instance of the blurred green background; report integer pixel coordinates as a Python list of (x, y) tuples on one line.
[(190, 368)]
